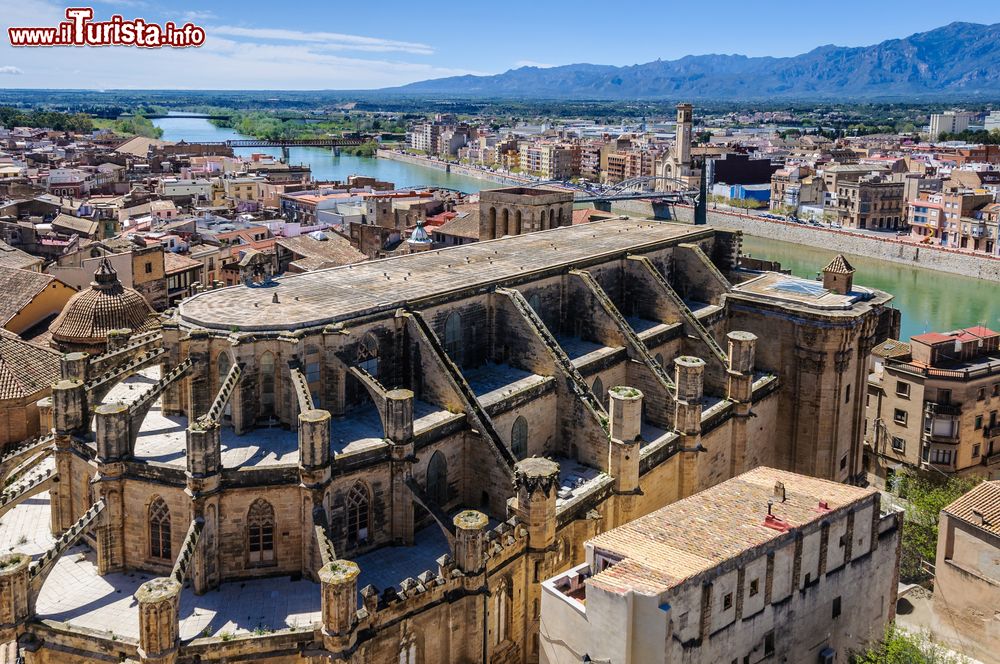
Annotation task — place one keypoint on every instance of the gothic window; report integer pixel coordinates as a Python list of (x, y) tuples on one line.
[(519, 438), (659, 360), (499, 614), (368, 355), (260, 532), (437, 479), (159, 529), (267, 384), (312, 373), (358, 514), (224, 364), (599, 389), (453, 337), (535, 302)]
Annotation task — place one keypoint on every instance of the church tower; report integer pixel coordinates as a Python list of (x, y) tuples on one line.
[(682, 150)]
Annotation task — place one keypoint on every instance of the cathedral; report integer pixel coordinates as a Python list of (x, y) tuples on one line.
[(380, 462)]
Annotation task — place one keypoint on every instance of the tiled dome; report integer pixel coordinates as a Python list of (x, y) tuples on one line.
[(107, 305)]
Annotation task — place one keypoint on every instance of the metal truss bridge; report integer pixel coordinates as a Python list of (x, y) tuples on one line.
[(633, 188)]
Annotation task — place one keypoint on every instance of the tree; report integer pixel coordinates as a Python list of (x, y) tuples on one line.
[(924, 497), (901, 647)]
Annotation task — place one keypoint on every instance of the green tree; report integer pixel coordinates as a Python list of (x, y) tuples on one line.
[(901, 647), (924, 497)]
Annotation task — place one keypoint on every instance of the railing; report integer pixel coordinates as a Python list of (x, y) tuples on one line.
[(938, 408), (935, 372), (951, 439)]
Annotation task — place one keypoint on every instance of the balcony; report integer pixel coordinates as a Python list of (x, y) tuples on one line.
[(929, 437), (939, 408), (991, 431)]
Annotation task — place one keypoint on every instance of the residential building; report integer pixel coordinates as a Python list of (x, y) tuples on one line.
[(992, 122), (935, 404), (967, 569), (949, 122), (767, 566), (182, 273), (794, 186), (871, 201), (30, 300), (550, 161), (939, 218)]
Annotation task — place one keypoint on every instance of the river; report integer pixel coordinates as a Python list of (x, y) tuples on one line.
[(325, 164), (928, 300)]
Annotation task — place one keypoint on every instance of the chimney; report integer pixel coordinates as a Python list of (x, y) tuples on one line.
[(978, 518), (779, 491)]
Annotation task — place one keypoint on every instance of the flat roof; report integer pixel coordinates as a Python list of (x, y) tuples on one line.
[(675, 543), (335, 294)]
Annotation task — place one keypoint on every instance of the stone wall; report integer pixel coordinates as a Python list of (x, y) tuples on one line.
[(931, 258)]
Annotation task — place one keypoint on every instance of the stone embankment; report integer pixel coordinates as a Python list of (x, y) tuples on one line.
[(453, 168), (849, 242)]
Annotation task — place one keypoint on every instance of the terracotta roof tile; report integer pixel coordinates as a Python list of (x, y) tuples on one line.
[(984, 499), (681, 540), (19, 287), (25, 369)]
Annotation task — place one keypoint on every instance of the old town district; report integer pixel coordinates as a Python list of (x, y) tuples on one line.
[(385, 461)]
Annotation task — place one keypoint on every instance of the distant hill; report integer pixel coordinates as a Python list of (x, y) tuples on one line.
[(960, 59)]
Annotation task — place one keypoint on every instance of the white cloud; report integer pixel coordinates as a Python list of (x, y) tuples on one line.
[(14, 71), (199, 15), (531, 63), (330, 40)]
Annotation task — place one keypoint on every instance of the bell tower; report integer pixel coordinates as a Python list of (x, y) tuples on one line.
[(682, 151)]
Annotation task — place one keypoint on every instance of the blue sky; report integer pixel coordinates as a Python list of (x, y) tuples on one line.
[(360, 45)]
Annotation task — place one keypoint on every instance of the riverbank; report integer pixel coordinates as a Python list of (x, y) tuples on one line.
[(887, 249), (454, 169)]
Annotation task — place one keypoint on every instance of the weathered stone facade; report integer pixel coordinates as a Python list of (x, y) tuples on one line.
[(485, 372)]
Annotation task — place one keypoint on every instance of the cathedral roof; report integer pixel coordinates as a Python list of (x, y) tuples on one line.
[(839, 265), (107, 305)]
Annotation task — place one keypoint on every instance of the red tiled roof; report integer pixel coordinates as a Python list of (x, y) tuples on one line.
[(932, 338)]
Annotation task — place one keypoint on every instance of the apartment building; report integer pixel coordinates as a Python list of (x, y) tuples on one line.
[(939, 218), (794, 186), (949, 122), (770, 565), (935, 404), (872, 201), (550, 161)]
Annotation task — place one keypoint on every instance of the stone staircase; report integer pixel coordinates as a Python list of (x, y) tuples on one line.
[(139, 408), (637, 349), (13, 460), (105, 361), (26, 487), (474, 410), (99, 387), (302, 392), (225, 393), (40, 568), (577, 383), (183, 563), (690, 320)]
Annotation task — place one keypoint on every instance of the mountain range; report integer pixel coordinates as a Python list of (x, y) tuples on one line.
[(960, 59)]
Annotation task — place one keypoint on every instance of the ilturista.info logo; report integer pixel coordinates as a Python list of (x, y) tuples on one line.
[(80, 29)]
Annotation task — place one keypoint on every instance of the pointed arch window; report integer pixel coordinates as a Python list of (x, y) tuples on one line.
[(313, 373), (437, 479), (260, 532), (267, 384), (159, 530), (453, 337), (367, 359), (598, 390), (358, 514), (519, 438)]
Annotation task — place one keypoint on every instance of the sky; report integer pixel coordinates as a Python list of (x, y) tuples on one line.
[(333, 45)]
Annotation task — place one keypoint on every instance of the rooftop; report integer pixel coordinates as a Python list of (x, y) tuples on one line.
[(336, 294), (788, 289), (675, 543), (979, 507)]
